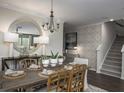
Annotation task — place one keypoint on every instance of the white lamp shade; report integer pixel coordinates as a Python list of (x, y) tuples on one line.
[(43, 39), (10, 37)]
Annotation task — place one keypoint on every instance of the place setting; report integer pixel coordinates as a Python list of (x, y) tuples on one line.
[(34, 67), (12, 74)]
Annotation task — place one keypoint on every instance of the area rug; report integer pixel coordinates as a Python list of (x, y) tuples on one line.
[(92, 88)]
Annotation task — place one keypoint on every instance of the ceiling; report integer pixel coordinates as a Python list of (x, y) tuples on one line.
[(76, 12)]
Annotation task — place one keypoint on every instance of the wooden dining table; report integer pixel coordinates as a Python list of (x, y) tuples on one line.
[(30, 79)]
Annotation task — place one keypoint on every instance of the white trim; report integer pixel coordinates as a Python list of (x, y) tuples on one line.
[(92, 69)]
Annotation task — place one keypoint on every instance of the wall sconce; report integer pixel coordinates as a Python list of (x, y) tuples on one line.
[(10, 38)]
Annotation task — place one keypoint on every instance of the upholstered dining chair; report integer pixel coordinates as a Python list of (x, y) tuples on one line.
[(25, 63), (77, 75)]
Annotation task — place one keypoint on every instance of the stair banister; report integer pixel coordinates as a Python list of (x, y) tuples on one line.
[(122, 69), (99, 59)]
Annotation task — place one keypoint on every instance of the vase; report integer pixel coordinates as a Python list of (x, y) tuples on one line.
[(60, 60), (45, 62), (53, 62)]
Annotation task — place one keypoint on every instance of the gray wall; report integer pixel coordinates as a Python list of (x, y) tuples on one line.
[(89, 37)]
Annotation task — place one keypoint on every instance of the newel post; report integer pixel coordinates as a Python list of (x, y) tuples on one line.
[(98, 58), (122, 67)]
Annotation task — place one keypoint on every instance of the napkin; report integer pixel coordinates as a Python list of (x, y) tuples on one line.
[(9, 71), (47, 72), (13, 73), (34, 66)]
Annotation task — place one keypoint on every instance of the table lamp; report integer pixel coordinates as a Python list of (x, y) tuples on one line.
[(44, 40), (10, 38)]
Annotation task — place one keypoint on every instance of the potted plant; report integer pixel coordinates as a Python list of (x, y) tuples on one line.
[(45, 60), (53, 59), (60, 59)]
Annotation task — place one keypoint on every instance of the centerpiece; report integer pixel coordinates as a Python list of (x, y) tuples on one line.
[(60, 59), (45, 61), (53, 59)]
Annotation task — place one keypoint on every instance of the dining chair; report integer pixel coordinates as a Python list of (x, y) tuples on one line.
[(63, 83), (25, 63), (77, 74), (52, 83), (78, 60), (59, 81)]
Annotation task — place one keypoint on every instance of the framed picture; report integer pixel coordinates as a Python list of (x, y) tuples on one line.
[(71, 40)]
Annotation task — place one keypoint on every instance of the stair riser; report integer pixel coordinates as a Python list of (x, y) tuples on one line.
[(111, 74), (114, 55), (113, 64), (116, 60), (115, 50), (116, 46), (110, 68)]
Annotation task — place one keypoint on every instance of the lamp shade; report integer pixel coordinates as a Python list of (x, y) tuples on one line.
[(43, 39), (10, 37), (36, 40)]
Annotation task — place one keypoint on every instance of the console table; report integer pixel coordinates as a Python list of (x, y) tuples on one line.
[(16, 60)]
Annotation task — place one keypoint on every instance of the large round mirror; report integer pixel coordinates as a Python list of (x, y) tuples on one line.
[(28, 30)]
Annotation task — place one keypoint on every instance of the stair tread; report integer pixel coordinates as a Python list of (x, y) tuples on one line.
[(112, 61), (110, 74), (111, 69), (114, 66), (117, 72), (114, 57)]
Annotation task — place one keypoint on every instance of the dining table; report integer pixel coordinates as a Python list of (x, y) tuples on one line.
[(30, 79)]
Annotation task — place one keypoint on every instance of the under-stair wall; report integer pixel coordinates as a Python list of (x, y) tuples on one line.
[(108, 36)]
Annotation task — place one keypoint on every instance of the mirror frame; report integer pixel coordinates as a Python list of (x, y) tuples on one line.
[(22, 20)]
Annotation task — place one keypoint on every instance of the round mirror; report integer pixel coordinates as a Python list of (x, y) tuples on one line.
[(28, 30)]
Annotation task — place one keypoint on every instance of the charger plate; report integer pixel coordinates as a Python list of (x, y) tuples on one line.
[(34, 69), (14, 77)]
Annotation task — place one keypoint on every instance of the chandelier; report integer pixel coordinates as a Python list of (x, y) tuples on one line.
[(51, 26)]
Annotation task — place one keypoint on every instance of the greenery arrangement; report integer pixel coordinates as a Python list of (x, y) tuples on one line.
[(54, 56), (60, 56), (45, 57)]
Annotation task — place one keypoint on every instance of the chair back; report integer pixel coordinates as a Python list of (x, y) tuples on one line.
[(63, 84), (77, 74), (58, 81), (25, 63), (52, 84)]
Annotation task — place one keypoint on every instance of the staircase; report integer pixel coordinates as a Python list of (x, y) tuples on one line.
[(112, 63)]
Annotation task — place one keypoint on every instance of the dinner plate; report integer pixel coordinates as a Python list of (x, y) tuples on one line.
[(48, 72), (14, 76)]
